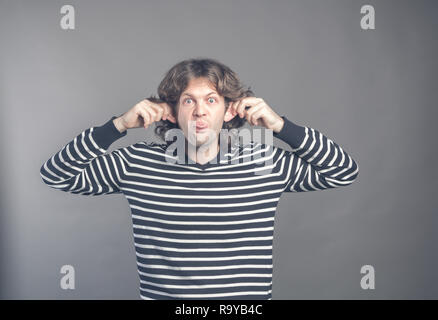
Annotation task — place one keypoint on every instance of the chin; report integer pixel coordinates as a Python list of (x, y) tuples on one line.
[(200, 141)]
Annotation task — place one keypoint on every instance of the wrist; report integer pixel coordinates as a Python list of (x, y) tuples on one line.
[(277, 128), (118, 124)]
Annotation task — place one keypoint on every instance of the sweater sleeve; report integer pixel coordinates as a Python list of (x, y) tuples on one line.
[(315, 162), (83, 167)]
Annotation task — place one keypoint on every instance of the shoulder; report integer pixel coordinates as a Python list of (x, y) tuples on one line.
[(146, 149), (148, 145), (262, 149), (255, 147)]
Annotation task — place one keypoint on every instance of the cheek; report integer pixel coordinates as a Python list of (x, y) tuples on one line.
[(221, 113), (182, 120), (182, 113)]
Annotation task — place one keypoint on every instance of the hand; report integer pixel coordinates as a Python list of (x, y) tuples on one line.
[(143, 114), (257, 112)]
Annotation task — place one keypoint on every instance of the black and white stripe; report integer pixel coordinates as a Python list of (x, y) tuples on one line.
[(201, 232)]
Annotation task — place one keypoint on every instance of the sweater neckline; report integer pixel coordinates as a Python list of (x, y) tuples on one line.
[(221, 158), (213, 162)]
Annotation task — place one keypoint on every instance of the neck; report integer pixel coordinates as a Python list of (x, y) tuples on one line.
[(202, 154)]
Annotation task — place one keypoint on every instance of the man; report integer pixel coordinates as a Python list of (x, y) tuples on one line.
[(203, 229)]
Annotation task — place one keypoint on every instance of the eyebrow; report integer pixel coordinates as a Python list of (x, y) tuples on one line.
[(188, 94)]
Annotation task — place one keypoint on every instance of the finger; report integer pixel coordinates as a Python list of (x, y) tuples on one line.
[(171, 118), (247, 102), (148, 107), (165, 111), (252, 111), (152, 114), (145, 117), (157, 111), (145, 103), (240, 108), (257, 115), (233, 106), (169, 113)]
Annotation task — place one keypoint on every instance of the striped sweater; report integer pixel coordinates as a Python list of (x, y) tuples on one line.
[(201, 231)]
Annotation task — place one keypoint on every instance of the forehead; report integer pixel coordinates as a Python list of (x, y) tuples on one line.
[(199, 87)]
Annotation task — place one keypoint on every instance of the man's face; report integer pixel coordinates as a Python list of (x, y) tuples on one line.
[(201, 112)]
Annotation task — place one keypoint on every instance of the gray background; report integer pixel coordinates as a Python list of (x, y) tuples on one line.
[(373, 92)]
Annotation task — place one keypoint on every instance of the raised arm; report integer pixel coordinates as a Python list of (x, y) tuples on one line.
[(83, 167), (315, 162)]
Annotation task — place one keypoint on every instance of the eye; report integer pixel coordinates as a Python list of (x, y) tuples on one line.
[(185, 101), (214, 100)]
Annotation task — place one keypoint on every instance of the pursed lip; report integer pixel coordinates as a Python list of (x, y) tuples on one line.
[(201, 125)]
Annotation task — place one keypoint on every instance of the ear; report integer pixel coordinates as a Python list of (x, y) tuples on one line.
[(171, 117), (229, 114)]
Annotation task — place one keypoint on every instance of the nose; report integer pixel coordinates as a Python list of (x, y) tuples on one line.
[(200, 109)]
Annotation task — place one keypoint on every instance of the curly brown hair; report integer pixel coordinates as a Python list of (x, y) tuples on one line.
[(176, 80)]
